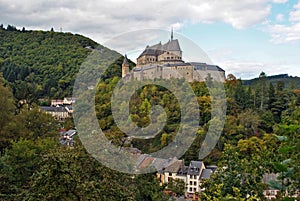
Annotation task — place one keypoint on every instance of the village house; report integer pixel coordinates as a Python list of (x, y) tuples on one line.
[(59, 113), (56, 102), (192, 175)]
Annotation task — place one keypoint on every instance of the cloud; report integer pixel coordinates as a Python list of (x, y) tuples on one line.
[(247, 67), (252, 69), (102, 19), (282, 33), (279, 1), (280, 17)]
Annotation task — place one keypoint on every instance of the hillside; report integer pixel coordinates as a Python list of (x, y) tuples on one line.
[(42, 63), (289, 81)]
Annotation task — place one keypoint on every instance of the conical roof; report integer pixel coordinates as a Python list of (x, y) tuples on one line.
[(125, 61)]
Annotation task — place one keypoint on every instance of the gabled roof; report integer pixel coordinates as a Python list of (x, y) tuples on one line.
[(175, 166), (195, 167), (157, 49), (172, 45)]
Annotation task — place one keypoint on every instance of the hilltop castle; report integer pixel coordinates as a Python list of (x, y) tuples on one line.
[(164, 61)]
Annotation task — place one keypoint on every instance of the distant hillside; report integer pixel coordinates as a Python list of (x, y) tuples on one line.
[(42, 63), (288, 80)]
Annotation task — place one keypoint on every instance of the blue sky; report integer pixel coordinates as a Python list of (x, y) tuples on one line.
[(243, 37)]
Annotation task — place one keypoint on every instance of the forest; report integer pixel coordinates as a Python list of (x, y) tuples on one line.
[(261, 132)]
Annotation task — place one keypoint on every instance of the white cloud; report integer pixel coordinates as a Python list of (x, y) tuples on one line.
[(252, 69), (287, 33), (102, 19), (248, 67), (280, 17), (279, 1)]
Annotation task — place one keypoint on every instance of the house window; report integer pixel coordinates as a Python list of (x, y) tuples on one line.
[(195, 183), (170, 174), (191, 177), (195, 176), (195, 189), (191, 189), (191, 182)]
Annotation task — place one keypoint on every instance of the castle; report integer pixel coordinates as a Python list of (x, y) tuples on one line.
[(164, 61)]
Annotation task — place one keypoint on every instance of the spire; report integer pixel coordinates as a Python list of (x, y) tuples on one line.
[(172, 34), (125, 61)]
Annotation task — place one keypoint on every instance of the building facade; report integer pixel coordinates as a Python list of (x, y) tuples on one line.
[(164, 61), (191, 175)]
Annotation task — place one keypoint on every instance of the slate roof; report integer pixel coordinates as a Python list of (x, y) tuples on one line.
[(206, 173), (204, 66), (175, 167), (157, 49), (177, 64), (212, 167), (53, 109), (70, 132), (171, 45), (195, 167), (125, 61)]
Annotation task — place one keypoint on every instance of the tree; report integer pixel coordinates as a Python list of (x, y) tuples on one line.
[(272, 98), (31, 124), (236, 177), (7, 110), (72, 174), (262, 90), (20, 163), (286, 163), (176, 186)]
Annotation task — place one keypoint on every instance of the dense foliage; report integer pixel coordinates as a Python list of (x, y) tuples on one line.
[(42, 63), (261, 133)]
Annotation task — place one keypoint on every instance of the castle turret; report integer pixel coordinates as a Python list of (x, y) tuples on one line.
[(125, 66)]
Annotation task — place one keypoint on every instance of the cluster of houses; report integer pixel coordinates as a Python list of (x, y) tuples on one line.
[(192, 175), (66, 137), (60, 109)]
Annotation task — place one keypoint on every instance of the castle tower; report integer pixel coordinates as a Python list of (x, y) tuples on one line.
[(125, 66)]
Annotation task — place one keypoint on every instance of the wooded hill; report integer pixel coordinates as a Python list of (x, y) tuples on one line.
[(42, 63), (289, 81)]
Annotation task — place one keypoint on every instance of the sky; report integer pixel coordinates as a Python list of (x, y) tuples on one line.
[(242, 37)]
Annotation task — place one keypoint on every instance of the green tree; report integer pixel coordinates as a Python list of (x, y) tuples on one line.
[(176, 186), (7, 110)]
